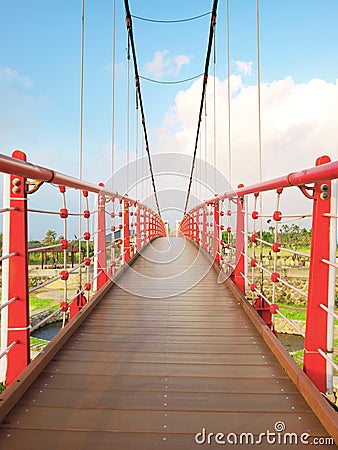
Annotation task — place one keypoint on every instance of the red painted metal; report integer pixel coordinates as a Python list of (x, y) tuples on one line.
[(18, 311), (316, 317), (138, 228), (101, 267), (240, 262), (25, 169), (320, 173), (126, 232), (18, 356), (265, 311), (77, 304), (217, 246), (204, 231)]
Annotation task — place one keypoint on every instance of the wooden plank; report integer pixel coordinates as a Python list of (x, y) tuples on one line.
[(94, 368), (150, 373), (87, 440), (101, 356), (174, 401), (243, 348), (44, 418), (170, 384)]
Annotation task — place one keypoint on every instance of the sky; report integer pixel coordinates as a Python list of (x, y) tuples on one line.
[(40, 85)]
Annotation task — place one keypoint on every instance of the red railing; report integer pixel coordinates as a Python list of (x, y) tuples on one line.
[(235, 239), (131, 226)]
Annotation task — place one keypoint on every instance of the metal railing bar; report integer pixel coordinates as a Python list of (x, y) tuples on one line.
[(279, 312), (8, 302), (332, 313), (2, 258), (324, 355), (4, 353), (330, 263), (38, 325)]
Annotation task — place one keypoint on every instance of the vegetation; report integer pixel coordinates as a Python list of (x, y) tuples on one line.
[(39, 303), (56, 258), (37, 343), (293, 314), (298, 356)]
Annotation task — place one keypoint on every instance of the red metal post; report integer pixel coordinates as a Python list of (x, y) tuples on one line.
[(191, 226), (126, 235), (146, 225), (77, 304), (101, 259), (316, 317), (138, 228), (197, 234), (18, 312), (217, 241), (240, 262), (204, 229)]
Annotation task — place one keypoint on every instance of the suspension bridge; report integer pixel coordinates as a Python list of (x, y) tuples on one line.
[(169, 342)]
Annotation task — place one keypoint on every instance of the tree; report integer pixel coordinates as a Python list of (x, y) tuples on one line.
[(50, 237)]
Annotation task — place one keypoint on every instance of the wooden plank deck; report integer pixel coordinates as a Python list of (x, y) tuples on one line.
[(166, 353)]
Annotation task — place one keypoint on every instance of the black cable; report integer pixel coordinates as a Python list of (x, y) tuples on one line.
[(171, 82), (171, 21), (138, 90), (205, 80)]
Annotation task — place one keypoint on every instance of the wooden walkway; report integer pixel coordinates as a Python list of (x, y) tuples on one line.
[(150, 372)]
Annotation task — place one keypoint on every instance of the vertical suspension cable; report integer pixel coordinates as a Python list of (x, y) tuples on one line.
[(205, 149), (204, 88), (81, 134), (143, 195), (259, 134), (128, 111), (138, 89), (136, 143), (113, 95), (112, 248), (259, 92), (200, 172), (229, 94), (215, 139)]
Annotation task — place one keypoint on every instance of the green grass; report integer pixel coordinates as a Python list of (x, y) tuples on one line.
[(294, 315), (38, 343), (2, 388), (298, 356), (39, 303), (290, 314)]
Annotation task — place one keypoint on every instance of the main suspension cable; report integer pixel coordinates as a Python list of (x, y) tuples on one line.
[(138, 89), (205, 80)]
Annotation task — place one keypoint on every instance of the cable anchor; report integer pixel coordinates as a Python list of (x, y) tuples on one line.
[(36, 186)]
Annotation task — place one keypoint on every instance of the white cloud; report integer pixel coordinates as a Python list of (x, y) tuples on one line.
[(9, 76), (244, 67), (299, 123), (164, 65), (180, 61)]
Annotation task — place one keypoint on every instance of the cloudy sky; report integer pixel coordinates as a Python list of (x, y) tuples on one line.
[(40, 78)]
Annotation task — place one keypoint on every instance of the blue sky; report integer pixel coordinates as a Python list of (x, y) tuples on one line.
[(40, 72)]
